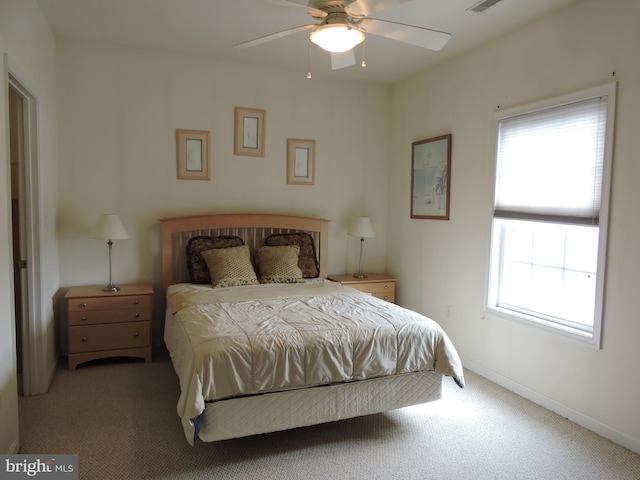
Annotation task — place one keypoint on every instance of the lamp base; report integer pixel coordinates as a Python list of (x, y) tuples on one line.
[(360, 274), (110, 288)]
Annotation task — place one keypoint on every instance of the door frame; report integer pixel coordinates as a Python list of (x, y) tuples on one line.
[(35, 372)]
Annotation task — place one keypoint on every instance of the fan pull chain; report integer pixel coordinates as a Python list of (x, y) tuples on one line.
[(309, 59), (364, 62)]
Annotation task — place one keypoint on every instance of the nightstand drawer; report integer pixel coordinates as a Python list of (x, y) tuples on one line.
[(89, 317), (377, 288), (388, 296), (94, 338), (109, 303)]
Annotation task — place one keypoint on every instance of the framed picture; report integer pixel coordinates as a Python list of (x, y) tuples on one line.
[(192, 148), (249, 132), (301, 162), (431, 178)]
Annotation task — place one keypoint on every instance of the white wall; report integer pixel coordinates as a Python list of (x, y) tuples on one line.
[(28, 44), (444, 263), (118, 112)]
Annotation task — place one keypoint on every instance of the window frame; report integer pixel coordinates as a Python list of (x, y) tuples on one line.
[(593, 339)]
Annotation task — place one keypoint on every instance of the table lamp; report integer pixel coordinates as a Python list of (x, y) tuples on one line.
[(362, 228), (109, 227)]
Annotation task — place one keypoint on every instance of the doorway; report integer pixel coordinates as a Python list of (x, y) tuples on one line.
[(33, 376), (16, 158)]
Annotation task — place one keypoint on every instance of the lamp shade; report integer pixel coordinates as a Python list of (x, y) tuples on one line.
[(337, 38), (362, 227), (108, 227)]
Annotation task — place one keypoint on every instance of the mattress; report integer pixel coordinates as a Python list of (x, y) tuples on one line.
[(320, 343)]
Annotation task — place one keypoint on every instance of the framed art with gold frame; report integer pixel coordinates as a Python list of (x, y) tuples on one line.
[(192, 149), (248, 139), (301, 161)]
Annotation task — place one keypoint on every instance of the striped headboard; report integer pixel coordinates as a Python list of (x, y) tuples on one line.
[(253, 228)]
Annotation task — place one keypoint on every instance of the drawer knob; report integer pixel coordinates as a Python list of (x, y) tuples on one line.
[(136, 315), (385, 298), (83, 305), (136, 302), (386, 287), (83, 318), (84, 339), (136, 334)]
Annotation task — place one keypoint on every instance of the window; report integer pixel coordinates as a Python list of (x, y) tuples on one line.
[(553, 162)]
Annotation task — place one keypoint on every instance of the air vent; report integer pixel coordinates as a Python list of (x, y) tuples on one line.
[(482, 6)]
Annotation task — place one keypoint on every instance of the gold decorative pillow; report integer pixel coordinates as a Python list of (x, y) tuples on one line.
[(198, 271), (230, 267), (279, 264), (307, 261)]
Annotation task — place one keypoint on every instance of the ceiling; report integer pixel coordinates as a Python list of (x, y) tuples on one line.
[(212, 27)]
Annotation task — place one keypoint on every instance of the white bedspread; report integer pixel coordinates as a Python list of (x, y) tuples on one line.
[(230, 342)]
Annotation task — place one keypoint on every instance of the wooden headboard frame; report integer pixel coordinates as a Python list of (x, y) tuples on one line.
[(253, 228)]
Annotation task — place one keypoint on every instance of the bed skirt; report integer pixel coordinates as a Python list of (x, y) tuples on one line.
[(270, 412)]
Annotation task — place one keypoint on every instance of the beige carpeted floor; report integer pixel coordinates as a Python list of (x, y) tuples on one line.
[(119, 416)]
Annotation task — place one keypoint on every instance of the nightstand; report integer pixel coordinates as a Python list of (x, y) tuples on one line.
[(109, 324), (377, 284)]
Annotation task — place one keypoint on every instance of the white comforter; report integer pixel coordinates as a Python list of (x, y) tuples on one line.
[(237, 341)]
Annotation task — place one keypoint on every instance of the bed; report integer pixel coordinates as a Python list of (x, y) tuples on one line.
[(280, 346)]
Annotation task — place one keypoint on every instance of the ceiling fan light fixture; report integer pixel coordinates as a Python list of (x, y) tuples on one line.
[(337, 38)]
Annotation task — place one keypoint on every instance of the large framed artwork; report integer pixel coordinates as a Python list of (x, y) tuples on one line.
[(301, 161), (249, 132), (431, 178), (192, 154)]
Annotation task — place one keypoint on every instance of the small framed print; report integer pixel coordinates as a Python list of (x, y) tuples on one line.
[(301, 162), (192, 148), (431, 178), (249, 132)]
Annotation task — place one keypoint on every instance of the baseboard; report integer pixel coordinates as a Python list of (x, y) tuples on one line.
[(581, 419), (15, 447)]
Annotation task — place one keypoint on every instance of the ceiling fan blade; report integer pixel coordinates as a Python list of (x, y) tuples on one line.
[(364, 8), (420, 36), (299, 5), (342, 59), (274, 36)]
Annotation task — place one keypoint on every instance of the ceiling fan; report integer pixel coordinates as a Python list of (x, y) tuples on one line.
[(342, 24)]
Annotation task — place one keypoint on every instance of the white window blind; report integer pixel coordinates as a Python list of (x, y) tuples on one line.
[(550, 163)]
